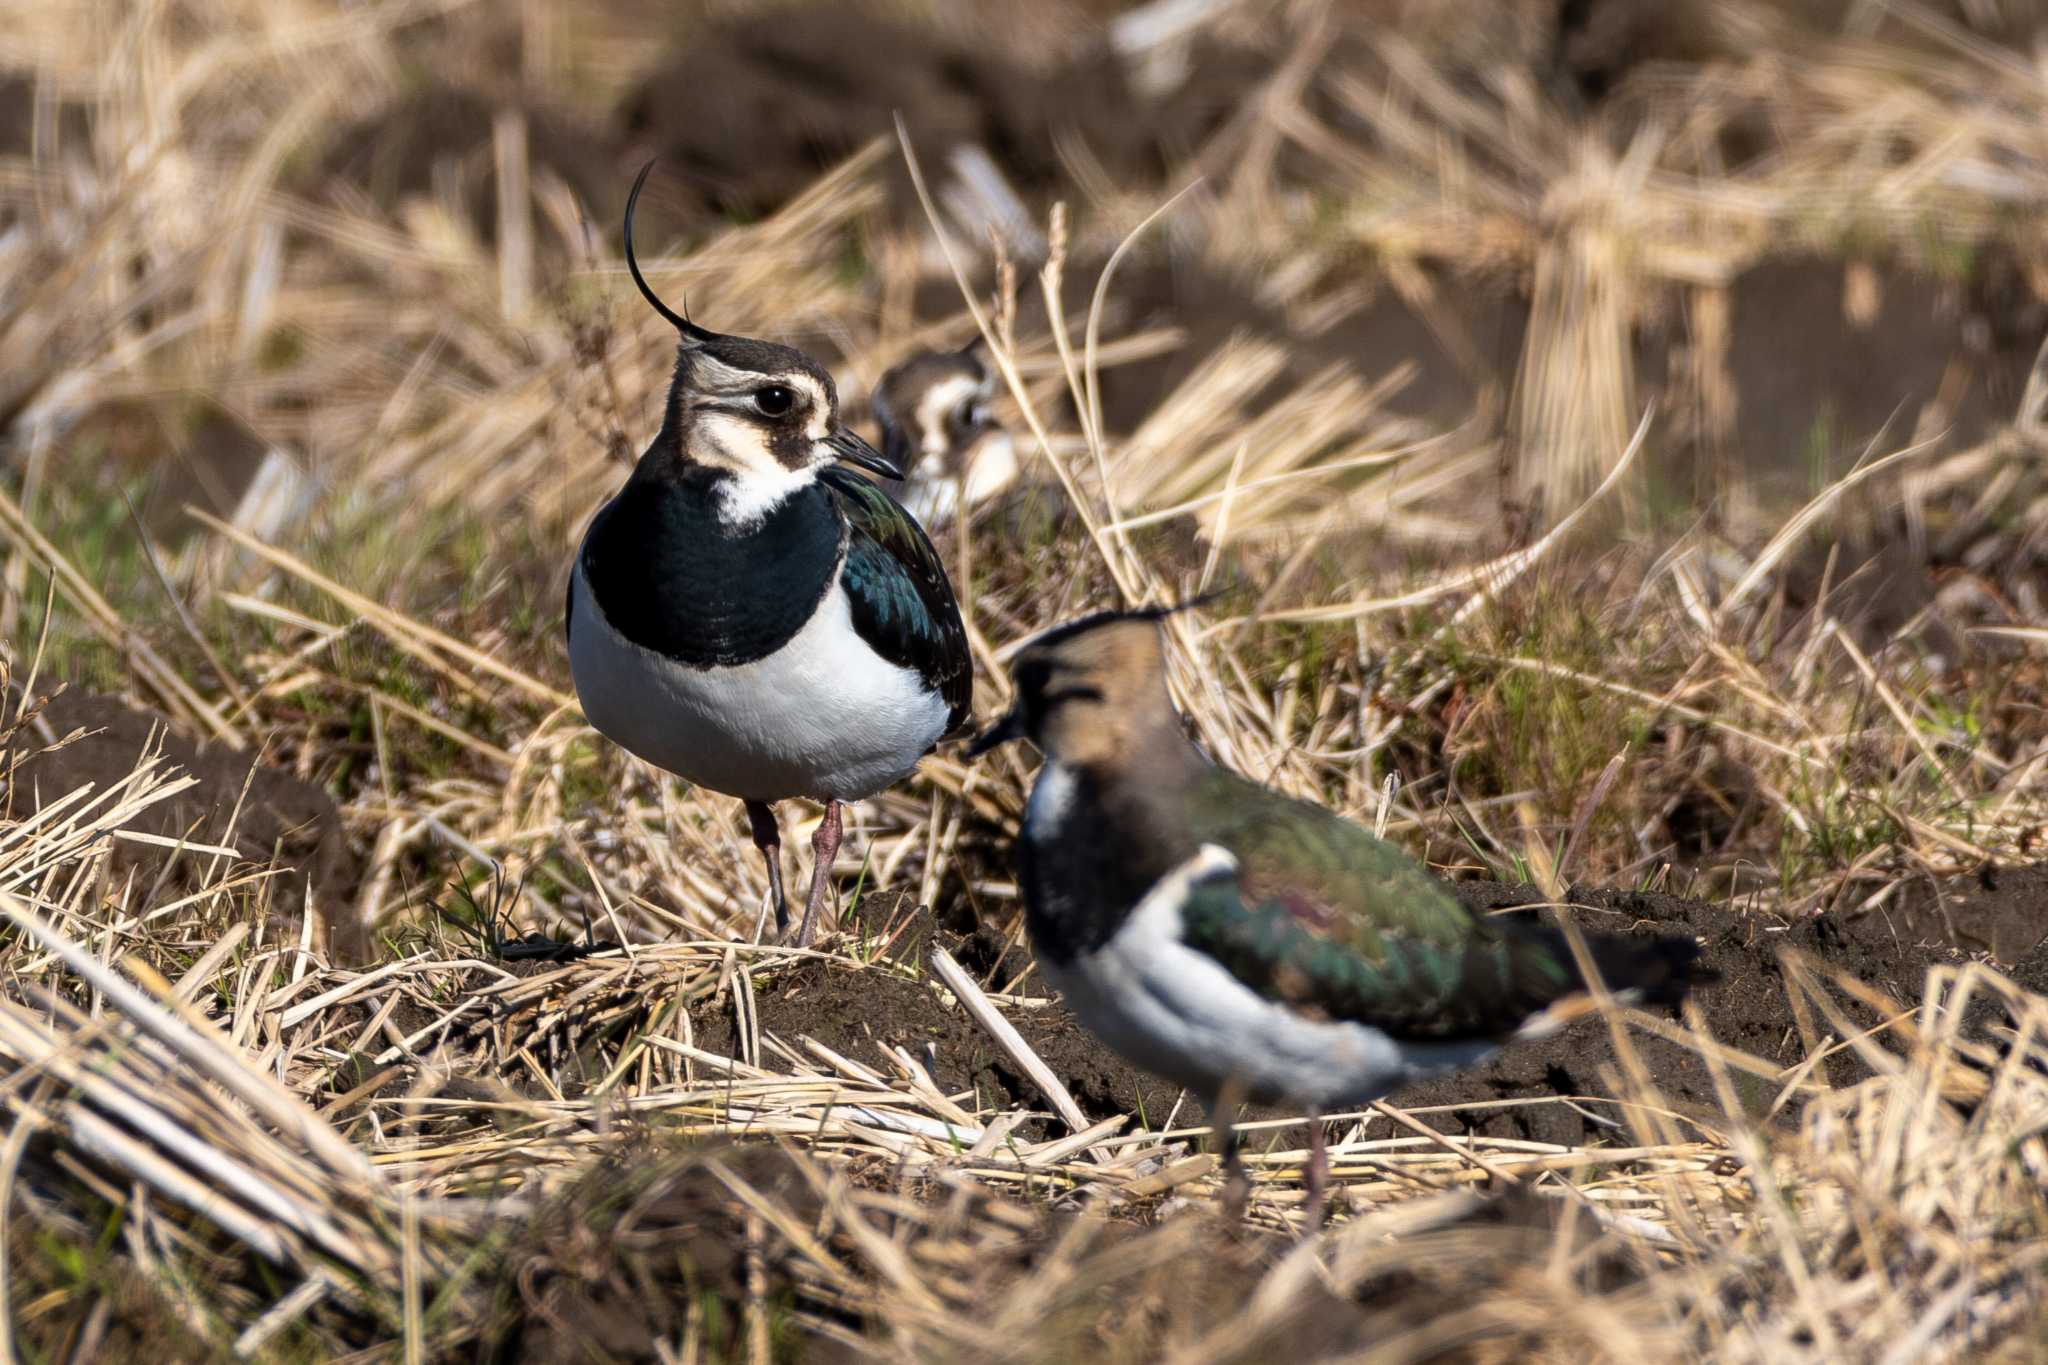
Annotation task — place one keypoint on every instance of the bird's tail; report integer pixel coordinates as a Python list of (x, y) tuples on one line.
[(1636, 971)]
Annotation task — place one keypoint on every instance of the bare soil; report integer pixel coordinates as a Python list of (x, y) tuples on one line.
[(266, 812), (856, 1012), (442, 136), (750, 110), (1747, 1009)]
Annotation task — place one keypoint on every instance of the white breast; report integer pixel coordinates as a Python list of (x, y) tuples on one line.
[(822, 717), (1179, 1014), (934, 495)]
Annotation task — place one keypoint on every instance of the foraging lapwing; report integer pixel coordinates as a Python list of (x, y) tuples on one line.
[(751, 615), (933, 412), (1244, 944)]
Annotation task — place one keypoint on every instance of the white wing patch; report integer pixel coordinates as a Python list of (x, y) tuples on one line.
[(1052, 796), (991, 467)]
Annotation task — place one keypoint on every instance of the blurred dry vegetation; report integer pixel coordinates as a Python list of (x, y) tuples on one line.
[(1618, 429)]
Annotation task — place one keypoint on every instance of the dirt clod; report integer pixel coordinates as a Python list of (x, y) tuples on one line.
[(266, 813)]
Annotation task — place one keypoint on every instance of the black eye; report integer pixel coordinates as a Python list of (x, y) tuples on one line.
[(774, 401)]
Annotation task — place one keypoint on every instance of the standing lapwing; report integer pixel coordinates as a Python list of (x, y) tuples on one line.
[(753, 617), (933, 412), (1244, 944)]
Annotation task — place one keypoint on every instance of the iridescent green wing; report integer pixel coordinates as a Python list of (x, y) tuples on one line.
[(1325, 917), (901, 599)]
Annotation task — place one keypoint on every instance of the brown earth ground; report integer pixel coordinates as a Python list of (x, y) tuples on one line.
[(856, 1012), (1999, 914), (82, 739)]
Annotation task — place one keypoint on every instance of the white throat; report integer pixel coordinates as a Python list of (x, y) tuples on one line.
[(746, 499), (757, 481)]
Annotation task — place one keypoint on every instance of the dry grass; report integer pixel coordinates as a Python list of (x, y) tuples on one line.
[(227, 1133)]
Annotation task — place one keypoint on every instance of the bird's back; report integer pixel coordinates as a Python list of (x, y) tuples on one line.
[(1323, 913)]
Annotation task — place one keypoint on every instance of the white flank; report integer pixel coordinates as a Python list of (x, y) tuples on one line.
[(933, 501), (991, 467), (1180, 1014), (824, 716), (934, 496)]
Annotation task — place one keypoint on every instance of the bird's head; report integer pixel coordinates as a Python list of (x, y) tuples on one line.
[(933, 411), (761, 417), (1089, 690)]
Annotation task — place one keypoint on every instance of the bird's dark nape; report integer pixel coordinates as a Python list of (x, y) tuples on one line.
[(1067, 630)]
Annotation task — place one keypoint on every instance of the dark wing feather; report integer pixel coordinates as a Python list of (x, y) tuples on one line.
[(1480, 985), (902, 601), (1329, 918)]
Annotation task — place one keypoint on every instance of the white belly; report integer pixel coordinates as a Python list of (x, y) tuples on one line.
[(822, 717), (1179, 1014)]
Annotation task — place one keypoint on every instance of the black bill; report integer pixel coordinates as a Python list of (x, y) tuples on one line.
[(858, 453), (1002, 732)]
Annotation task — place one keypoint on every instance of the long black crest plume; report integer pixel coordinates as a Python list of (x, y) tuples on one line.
[(681, 323)]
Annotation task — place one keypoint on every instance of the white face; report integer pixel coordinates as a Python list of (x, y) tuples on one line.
[(769, 430), (945, 479), (938, 402)]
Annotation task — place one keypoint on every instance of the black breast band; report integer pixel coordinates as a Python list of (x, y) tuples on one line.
[(673, 578)]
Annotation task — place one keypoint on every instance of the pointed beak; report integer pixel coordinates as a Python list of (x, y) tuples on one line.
[(858, 453), (1002, 732)]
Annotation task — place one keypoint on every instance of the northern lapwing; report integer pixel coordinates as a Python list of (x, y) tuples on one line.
[(1244, 944), (933, 412), (751, 615)]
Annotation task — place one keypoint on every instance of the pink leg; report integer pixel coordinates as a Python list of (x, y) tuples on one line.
[(824, 848)]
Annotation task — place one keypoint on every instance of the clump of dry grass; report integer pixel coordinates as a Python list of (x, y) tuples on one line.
[(453, 1147), (441, 1196)]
